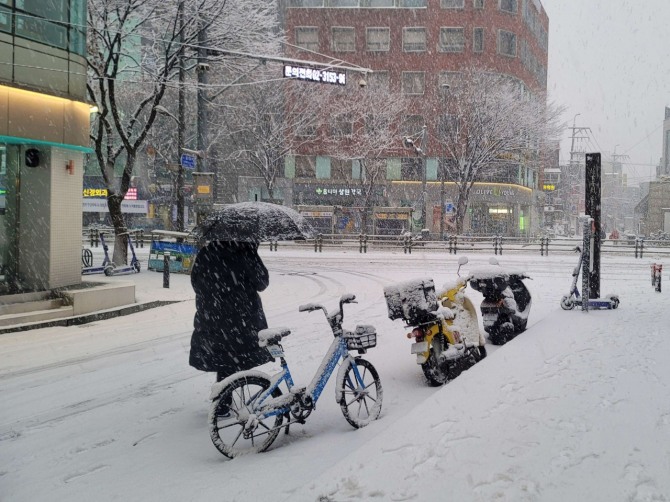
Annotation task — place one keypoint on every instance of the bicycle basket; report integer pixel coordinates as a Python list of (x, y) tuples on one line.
[(365, 337)]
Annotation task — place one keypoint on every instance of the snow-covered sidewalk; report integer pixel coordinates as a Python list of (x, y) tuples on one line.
[(573, 409)]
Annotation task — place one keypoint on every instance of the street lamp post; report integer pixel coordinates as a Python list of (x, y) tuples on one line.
[(180, 169), (420, 150)]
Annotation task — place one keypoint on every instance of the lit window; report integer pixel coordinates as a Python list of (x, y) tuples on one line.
[(451, 40), (414, 39), (378, 39), (307, 37)]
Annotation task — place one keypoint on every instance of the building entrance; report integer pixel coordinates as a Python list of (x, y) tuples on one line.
[(9, 218)]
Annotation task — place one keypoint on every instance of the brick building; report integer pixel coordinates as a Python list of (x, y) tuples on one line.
[(415, 47)]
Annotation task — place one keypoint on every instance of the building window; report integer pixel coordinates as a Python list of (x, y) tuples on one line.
[(413, 82), (393, 167), (5, 20), (448, 81), (343, 40), (305, 166), (306, 3), (307, 37), (412, 125), (341, 126), (378, 39), (306, 130), (478, 39), (412, 3), (342, 3), (414, 39), (478, 4), (452, 4), (508, 6), (377, 3), (507, 43), (322, 167), (451, 40), (378, 80), (411, 168), (341, 169)]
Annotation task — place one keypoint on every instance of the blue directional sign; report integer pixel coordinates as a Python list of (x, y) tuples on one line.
[(187, 161)]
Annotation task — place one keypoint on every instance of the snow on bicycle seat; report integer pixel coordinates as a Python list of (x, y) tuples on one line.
[(272, 336)]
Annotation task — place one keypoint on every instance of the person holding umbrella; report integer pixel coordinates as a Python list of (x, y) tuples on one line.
[(227, 276)]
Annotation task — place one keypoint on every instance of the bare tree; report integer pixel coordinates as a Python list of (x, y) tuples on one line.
[(136, 48), (487, 126), (365, 127), (271, 120)]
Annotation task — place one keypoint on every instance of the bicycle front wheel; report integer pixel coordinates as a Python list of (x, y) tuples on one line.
[(360, 400), (230, 413)]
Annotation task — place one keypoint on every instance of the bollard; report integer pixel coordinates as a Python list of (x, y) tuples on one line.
[(639, 247), (546, 246), (363, 243), (656, 274), (497, 244), (453, 244), (166, 270)]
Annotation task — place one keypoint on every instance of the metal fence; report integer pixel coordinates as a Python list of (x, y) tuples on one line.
[(495, 244)]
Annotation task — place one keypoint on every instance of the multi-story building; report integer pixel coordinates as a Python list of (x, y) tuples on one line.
[(664, 167), (415, 47), (44, 134)]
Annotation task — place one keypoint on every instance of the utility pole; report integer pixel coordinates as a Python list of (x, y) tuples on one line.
[(575, 175), (181, 118), (203, 117)]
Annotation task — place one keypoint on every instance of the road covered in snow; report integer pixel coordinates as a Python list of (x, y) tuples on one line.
[(573, 409)]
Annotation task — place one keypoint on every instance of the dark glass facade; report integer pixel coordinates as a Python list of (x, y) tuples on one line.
[(56, 23)]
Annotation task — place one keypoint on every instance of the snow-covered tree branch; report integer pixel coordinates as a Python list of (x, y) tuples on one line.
[(487, 126)]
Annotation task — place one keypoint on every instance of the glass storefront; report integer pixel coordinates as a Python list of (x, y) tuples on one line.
[(8, 216)]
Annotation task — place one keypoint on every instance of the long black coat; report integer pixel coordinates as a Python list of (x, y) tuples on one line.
[(226, 278)]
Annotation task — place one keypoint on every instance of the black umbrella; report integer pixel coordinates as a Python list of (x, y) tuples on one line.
[(253, 222)]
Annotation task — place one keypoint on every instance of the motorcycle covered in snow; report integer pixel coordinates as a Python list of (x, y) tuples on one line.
[(506, 303), (445, 329)]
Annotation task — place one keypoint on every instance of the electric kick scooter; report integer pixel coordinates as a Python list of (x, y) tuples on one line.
[(569, 301), (106, 266)]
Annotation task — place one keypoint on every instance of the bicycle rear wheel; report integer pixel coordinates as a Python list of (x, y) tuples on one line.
[(230, 412), (361, 402)]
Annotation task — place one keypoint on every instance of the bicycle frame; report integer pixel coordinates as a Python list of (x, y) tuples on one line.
[(268, 406)]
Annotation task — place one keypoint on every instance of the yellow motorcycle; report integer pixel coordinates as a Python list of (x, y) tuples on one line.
[(447, 340)]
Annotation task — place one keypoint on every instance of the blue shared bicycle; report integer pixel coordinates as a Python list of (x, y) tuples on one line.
[(249, 409)]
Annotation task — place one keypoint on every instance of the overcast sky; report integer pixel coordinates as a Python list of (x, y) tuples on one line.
[(609, 60)]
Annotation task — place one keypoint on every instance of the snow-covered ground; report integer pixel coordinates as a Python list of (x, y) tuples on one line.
[(576, 408)]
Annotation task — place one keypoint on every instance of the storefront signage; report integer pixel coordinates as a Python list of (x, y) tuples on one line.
[(127, 206), (549, 188), (95, 192), (339, 191), (317, 214), (392, 216), (314, 75), (495, 191)]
